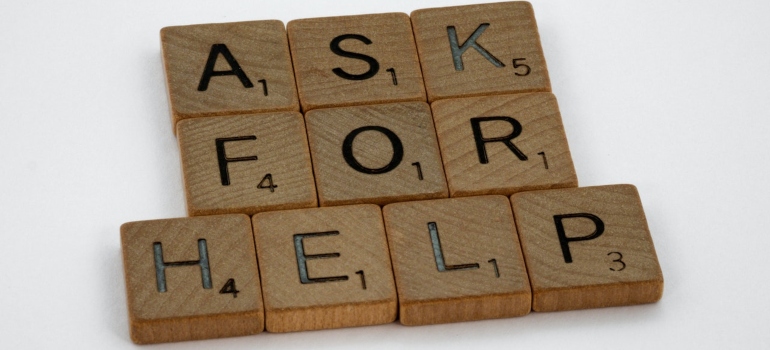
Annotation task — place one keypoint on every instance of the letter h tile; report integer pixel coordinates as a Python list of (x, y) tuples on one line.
[(191, 278)]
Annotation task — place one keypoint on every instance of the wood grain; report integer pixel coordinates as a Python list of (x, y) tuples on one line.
[(390, 45), (511, 34), (542, 142), (472, 230), (278, 141), (187, 310), (616, 267), (363, 260), (340, 183), (261, 50)]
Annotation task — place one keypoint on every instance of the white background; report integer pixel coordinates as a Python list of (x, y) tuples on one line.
[(672, 96)]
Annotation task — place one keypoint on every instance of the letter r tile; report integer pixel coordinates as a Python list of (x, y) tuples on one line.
[(325, 268), (246, 163), (503, 144), (227, 69), (355, 60), (191, 278), (484, 49), (587, 247), (456, 259)]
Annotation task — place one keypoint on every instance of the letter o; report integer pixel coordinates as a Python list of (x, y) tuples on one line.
[(398, 150)]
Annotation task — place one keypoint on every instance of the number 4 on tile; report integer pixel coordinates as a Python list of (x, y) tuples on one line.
[(229, 288), (267, 182)]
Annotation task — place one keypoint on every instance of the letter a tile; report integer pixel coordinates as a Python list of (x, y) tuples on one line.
[(246, 164), (375, 154), (191, 278), (503, 144), (227, 69), (355, 60), (587, 248), (478, 50), (456, 260), (325, 268)]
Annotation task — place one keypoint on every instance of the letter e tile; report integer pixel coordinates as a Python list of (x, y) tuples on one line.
[(325, 268)]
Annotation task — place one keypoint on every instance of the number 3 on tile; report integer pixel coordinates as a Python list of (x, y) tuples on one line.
[(267, 182), (618, 260)]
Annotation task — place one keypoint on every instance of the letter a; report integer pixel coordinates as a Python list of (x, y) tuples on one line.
[(235, 68)]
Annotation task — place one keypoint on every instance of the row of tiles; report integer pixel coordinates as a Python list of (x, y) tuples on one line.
[(375, 154), (423, 262), (439, 53)]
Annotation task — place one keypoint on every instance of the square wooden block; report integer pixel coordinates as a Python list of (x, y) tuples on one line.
[(325, 268), (456, 260), (191, 278), (375, 154), (355, 60), (503, 144), (482, 49), (587, 248), (227, 69), (246, 164)]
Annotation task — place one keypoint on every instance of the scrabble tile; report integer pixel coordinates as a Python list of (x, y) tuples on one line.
[(246, 164), (587, 248), (227, 69), (355, 60), (503, 144), (375, 154), (456, 259), (191, 278), (325, 268), (480, 50)]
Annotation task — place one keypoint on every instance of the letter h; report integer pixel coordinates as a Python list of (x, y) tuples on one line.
[(161, 265)]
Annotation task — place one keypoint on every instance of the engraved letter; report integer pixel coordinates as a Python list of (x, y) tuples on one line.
[(458, 50), (506, 140), (222, 157), (374, 66), (235, 68), (302, 258), (398, 150), (161, 265), (438, 253), (564, 240)]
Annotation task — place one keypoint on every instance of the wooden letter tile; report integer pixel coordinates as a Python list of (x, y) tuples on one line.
[(191, 278), (228, 68), (480, 50), (355, 60), (375, 154), (246, 164), (325, 268), (503, 144), (587, 248), (456, 260)]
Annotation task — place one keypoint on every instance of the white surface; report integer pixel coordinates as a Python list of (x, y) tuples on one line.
[(671, 97)]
